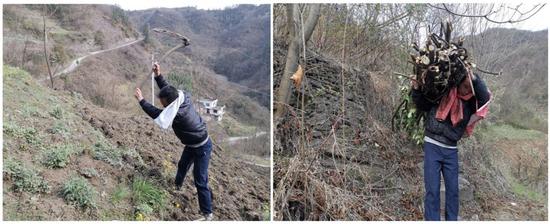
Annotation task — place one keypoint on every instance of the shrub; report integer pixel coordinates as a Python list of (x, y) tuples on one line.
[(266, 211), (99, 38), (107, 153), (119, 16), (31, 111), (78, 191), (144, 209), (407, 118), (181, 81), (119, 194), (59, 128), (132, 153), (58, 157), (59, 55), (89, 172), (25, 179), (30, 135), (57, 112), (145, 193)]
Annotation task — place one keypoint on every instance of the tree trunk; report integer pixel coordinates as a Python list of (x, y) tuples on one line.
[(45, 46), (24, 53), (290, 25), (293, 53)]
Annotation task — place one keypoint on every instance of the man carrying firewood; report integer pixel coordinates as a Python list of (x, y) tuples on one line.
[(189, 127), (446, 122)]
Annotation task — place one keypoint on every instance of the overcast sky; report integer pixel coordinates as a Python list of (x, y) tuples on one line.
[(538, 22), (200, 4)]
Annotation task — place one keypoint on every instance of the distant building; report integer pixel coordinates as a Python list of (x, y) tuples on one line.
[(211, 108)]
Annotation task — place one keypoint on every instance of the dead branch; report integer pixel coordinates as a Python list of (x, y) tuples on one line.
[(523, 15)]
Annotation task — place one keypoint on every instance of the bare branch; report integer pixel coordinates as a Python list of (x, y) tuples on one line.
[(522, 15)]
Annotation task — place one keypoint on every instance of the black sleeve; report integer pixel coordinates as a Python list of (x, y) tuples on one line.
[(482, 93), (151, 110), (420, 101), (161, 82)]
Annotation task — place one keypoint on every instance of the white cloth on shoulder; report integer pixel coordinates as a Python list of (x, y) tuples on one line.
[(166, 117)]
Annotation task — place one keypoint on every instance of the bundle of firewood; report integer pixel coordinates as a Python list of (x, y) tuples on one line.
[(441, 64)]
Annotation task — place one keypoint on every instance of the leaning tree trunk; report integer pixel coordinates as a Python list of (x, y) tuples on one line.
[(293, 53)]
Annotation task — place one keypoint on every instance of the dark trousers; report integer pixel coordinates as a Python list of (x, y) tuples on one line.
[(200, 157), (439, 160)]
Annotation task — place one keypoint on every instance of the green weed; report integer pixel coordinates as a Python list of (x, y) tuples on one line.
[(181, 81), (120, 193), (29, 135), (59, 128), (57, 112), (144, 209), (31, 111), (58, 157), (107, 153), (79, 192), (145, 193), (24, 178), (526, 192), (266, 211), (505, 131)]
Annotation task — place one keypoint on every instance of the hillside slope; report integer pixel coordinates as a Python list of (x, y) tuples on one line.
[(108, 79), (351, 165), (522, 89), (67, 159), (234, 42), (72, 29)]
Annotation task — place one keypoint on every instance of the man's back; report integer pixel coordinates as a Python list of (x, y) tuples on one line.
[(188, 125)]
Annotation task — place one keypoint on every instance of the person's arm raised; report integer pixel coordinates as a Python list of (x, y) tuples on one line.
[(482, 93), (149, 109), (161, 82)]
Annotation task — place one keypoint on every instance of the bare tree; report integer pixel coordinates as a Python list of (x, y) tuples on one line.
[(45, 44), (499, 14), (296, 39), (24, 52)]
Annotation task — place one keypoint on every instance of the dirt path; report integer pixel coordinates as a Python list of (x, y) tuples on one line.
[(250, 159), (232, 140), (76, 62)]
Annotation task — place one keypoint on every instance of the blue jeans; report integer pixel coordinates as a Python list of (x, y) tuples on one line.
[(200, 157), (436, 160)]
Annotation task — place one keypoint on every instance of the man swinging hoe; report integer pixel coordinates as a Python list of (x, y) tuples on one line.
[(180, 114), (454, 99), (190, 128)]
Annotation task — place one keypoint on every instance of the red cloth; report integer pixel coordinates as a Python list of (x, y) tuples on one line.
[(452, 105)]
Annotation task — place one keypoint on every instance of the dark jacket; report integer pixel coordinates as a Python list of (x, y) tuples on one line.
[(443, 131), (188, 124)]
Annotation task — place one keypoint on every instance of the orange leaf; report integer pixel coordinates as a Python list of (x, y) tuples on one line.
[(297, 77)]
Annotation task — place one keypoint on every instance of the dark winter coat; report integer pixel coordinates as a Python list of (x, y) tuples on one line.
[(443, 131), (187, 125)]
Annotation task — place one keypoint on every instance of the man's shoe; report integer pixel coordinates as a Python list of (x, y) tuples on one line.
[(178, 187), (208, 217)]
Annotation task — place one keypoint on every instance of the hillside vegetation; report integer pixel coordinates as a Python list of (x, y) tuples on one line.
[(67, 159), (84, 150), (108, 79), (234, 42), (337, 153)]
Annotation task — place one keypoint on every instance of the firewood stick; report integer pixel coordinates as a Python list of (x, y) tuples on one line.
[(488, 72)]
